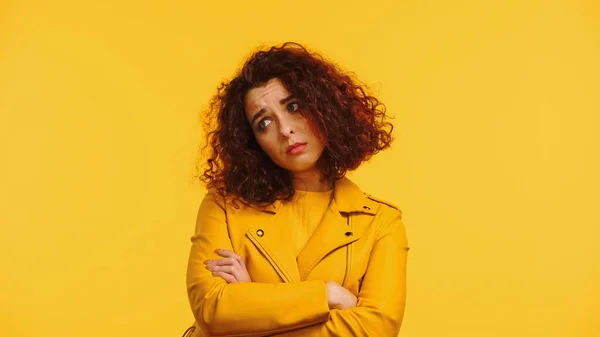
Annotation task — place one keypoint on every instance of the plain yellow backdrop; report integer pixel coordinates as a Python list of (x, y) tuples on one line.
[(496, 160)]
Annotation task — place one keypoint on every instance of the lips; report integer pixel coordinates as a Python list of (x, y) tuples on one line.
[(295, 148)]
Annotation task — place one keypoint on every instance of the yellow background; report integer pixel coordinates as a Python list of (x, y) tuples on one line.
[(495, 163)]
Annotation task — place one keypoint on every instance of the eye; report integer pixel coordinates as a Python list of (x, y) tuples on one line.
[(293, 107), (263, 123)]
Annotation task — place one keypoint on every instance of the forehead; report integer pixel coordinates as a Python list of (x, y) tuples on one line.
[(259, 97)]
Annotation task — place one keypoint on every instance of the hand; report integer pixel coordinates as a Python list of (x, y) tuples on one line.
[(339, 297), (231, 267)]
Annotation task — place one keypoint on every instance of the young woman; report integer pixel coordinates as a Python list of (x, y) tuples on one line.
[(284, 243)]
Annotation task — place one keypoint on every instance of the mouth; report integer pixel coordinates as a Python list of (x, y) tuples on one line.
[(295, 148)]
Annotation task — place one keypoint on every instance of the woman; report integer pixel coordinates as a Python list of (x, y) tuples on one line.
[(284, 244)]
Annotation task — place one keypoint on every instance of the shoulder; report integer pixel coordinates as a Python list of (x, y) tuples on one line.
[(214, 203), (213, 198), (386, 205), (228, 204), (351, 198), (389, 220)]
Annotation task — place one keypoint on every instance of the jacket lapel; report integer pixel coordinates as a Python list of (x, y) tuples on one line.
[(272, 239), (334, 231)]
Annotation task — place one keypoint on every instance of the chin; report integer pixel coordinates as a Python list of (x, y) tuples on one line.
[(302, 167), (300, 163)]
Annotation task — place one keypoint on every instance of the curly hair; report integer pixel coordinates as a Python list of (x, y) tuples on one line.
[(351, 122)]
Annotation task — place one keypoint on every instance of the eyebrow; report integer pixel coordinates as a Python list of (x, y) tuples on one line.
[(287, 99), (262, 111)]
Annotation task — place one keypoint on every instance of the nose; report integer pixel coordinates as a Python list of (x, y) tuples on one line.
[(286, 127)]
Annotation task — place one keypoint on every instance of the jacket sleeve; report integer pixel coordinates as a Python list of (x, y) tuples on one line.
[(382, 297), (244, 309)]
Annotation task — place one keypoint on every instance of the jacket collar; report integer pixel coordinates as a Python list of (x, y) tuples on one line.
[(333, 232), (347, 196)]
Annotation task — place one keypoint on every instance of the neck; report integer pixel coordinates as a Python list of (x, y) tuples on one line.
[(311, 181)]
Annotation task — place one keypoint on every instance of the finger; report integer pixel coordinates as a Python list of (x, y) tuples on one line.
[(229, 253), (241, 261), (236, 271), (240, 272), (228, 261), (227, 277), (225, 269), (225, 253)]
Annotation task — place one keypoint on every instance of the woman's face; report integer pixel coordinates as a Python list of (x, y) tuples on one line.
[(280, 129)]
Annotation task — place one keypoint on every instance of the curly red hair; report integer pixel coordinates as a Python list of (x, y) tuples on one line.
[(350, 121)]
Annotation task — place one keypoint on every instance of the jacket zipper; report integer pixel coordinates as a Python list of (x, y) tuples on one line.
[(347, 256)]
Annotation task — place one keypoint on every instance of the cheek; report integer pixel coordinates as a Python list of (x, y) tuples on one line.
[(315, 137), (267, 143), (310, 130)]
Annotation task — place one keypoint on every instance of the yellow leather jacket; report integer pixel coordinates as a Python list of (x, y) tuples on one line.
[(361, 244)]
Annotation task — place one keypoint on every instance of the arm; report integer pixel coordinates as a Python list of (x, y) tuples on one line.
[(244, 309), (381, 300)]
